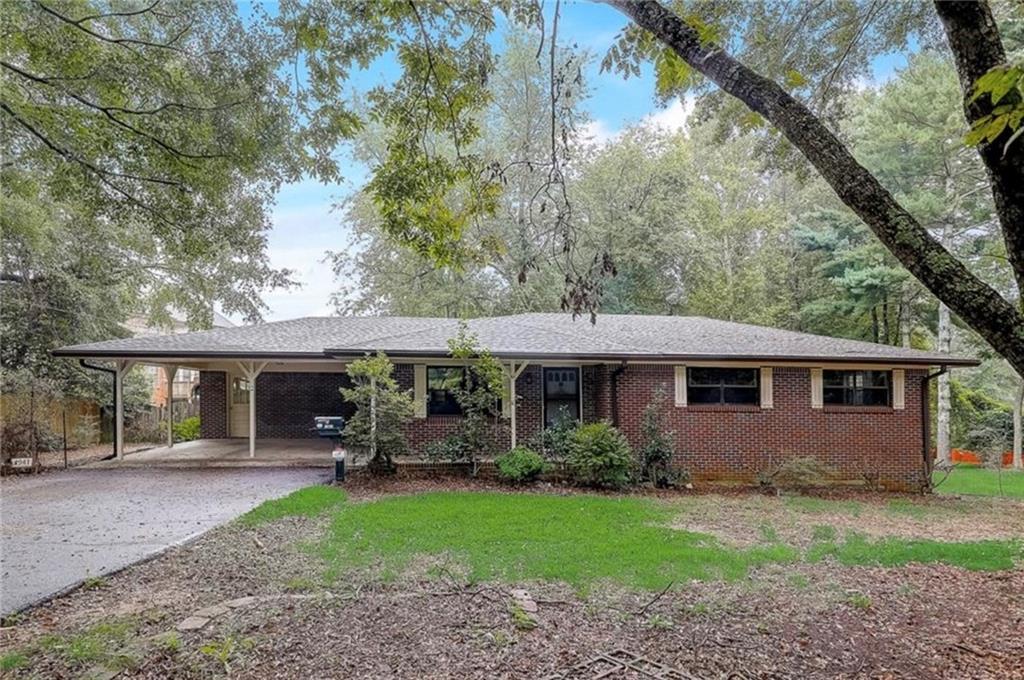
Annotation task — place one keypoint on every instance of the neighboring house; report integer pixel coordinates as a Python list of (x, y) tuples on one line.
[(741, 398), (185, 386)]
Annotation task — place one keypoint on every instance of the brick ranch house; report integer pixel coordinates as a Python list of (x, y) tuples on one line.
[(741, 398)]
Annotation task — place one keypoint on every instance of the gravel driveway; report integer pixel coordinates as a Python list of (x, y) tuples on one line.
[(60, 528)]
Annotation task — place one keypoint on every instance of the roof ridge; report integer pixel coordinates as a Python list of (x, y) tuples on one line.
[(395, 335), (573, 334)]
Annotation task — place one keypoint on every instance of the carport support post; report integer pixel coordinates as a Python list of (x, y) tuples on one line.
[(514, 372), (121, 369), (169, 373), (251, 371)]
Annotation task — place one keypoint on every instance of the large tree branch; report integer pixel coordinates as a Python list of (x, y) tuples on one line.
[(978, 304), (974, 39), (123, 42)]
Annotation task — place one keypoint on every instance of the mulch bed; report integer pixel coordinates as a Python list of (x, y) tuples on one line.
[(806, 621)]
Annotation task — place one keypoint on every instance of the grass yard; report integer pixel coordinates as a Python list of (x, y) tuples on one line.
[(575, 539), (580, 540), (979, 481), (416, 579)]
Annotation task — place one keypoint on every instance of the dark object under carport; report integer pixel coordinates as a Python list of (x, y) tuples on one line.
[(331, 427)]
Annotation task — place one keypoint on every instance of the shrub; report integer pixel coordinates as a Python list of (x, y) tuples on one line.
[(599, 456), (452, 448), (187, 430), (556, 441), (479, 395), (658, 449), (382, 410), (520, 465)]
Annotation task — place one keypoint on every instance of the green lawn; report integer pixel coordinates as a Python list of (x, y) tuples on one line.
[(307, 502), (968, 479), (513, 537), (579, 539)]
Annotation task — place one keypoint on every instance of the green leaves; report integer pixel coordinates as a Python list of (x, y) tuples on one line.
[(794, 79), (1004, 88)]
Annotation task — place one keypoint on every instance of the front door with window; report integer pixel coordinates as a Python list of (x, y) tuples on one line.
[(561, 394), (238, 400)]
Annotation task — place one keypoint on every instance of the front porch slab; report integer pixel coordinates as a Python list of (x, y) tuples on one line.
[(203, 453)]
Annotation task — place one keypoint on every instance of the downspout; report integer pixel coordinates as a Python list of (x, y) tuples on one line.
[(85, 364), (614, 380), (926, 423)]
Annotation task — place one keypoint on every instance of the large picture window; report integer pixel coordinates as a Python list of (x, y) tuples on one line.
[(722, 386), (857, 388), (441, 384)]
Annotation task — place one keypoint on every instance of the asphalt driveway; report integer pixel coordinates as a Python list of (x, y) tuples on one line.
[(60, 528)]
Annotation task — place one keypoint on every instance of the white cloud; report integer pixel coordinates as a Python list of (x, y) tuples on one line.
[(673, 118), (304, 229), (312, 297), (599, 132)]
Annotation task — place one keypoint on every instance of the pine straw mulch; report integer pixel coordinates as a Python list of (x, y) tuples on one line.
[(806, 620)]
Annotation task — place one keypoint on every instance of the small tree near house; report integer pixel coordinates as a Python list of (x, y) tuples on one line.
[(657, 448), (382, 409), (479, 396)]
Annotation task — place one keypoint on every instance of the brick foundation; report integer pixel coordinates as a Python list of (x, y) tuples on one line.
[(713, 443)]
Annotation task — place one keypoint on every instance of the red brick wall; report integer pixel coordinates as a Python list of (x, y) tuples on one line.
[(213, 405), (285, 403), (420, 432), (735, 443), (713, 443)]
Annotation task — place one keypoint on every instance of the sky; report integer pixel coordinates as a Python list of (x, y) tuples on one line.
[(305, 223)]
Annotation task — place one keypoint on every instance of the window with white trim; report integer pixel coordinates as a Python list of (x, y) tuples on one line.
[(857, 388), (706, 385)]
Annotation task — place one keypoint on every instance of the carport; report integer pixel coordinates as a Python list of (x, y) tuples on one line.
[(241, 403), (215, 453)]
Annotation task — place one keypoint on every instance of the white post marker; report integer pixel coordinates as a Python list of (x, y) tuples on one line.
[(121, 369), (169, 373)]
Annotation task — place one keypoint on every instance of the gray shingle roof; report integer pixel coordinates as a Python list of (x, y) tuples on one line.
[(555, 336)]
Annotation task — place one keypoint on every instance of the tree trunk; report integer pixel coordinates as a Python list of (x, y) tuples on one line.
[(977, 47), (978, 304), (885, 321), (1018, 427), (373, 419), (942, 446), (905, 325), (874, 324)]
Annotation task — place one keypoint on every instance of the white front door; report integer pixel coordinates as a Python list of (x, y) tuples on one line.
[(238, 404)]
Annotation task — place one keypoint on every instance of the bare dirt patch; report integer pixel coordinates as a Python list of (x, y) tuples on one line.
[(751, 519)]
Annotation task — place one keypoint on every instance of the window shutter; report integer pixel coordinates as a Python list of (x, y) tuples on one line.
[(419, 390), (817, 388), (899, 391), (766, 387), (680, 385)]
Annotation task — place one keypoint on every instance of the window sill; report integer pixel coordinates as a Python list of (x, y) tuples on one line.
[(724, 408), (835, 408)]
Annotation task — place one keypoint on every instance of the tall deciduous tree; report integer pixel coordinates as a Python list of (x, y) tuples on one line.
[(162, 129), (445, 55), (975, 42)]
